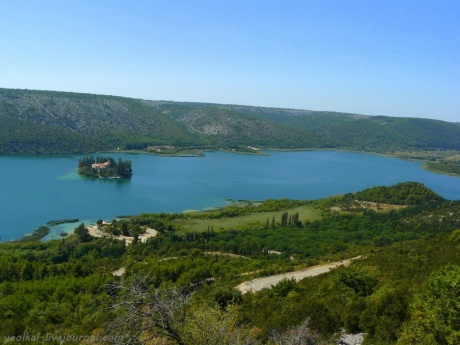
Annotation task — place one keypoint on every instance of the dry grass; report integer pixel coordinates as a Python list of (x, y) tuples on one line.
[(369, 205), (230, 255)]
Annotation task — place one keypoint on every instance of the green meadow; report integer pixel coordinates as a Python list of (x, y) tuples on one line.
[(306, 212)]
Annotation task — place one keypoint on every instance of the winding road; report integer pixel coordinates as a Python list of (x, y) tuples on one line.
[(266, 282)]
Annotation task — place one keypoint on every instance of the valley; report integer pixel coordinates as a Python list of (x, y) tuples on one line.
[(199, 238)]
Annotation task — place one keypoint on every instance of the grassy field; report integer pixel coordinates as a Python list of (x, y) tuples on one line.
[(307, 212)]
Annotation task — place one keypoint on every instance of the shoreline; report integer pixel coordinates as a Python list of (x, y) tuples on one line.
[(406, 155), (265, 152), (398, 154), (425, 167)]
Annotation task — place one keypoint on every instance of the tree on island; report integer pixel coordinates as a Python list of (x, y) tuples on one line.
[(104, 167)]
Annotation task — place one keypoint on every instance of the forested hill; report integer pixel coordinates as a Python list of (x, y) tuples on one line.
[(405, 193), (51, 122), (364, 132)]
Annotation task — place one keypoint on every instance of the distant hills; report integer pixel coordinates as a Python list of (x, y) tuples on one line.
[(61, 122)]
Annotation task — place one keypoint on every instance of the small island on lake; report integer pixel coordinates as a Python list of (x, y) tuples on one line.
[(104, 167)]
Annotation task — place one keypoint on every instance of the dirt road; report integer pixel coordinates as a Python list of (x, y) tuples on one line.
[(266, 282)]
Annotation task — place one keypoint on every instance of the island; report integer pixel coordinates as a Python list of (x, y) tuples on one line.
[(104, 167)]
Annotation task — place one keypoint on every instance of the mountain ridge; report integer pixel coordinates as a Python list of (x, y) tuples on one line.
[(34, 121)]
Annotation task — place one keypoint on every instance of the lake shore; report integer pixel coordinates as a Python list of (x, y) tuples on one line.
[(415, 156), (38, 192), (410, 155)]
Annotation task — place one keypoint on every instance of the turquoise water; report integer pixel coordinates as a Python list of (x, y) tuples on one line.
[(37, 189)]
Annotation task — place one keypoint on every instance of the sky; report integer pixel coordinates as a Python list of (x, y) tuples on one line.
[(374, 57)]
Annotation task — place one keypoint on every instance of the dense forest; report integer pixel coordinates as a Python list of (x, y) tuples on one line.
[(407, 193), (104, 167), (179, 287), (62, 122)]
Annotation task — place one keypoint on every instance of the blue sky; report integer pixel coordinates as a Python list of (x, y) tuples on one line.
[(397, 58)]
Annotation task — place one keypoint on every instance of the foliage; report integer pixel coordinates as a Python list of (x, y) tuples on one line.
[(144, 313), (82, 233), (360, 280), (55, 288), (212, 325), (406, 193), (445, 166), (38, 233), (300, 335), (61, 221), (435, 311)]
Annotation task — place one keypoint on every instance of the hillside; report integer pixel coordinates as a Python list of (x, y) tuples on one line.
[(62, 122), (406, 193), (40, 121), (369, 133), (179, 285)]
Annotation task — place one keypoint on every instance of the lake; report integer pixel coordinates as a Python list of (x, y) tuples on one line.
[(38, 189)]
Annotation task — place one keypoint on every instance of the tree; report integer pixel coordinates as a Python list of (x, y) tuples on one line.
[(227, 296), (27, 271), (300, 335), (359, 279), (435, 311), (144, 312), (210, 325), (124, 228), (82, 233), (284, 219), (282, 288)]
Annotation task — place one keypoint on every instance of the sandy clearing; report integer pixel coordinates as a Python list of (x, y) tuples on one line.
[(95, 232)]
